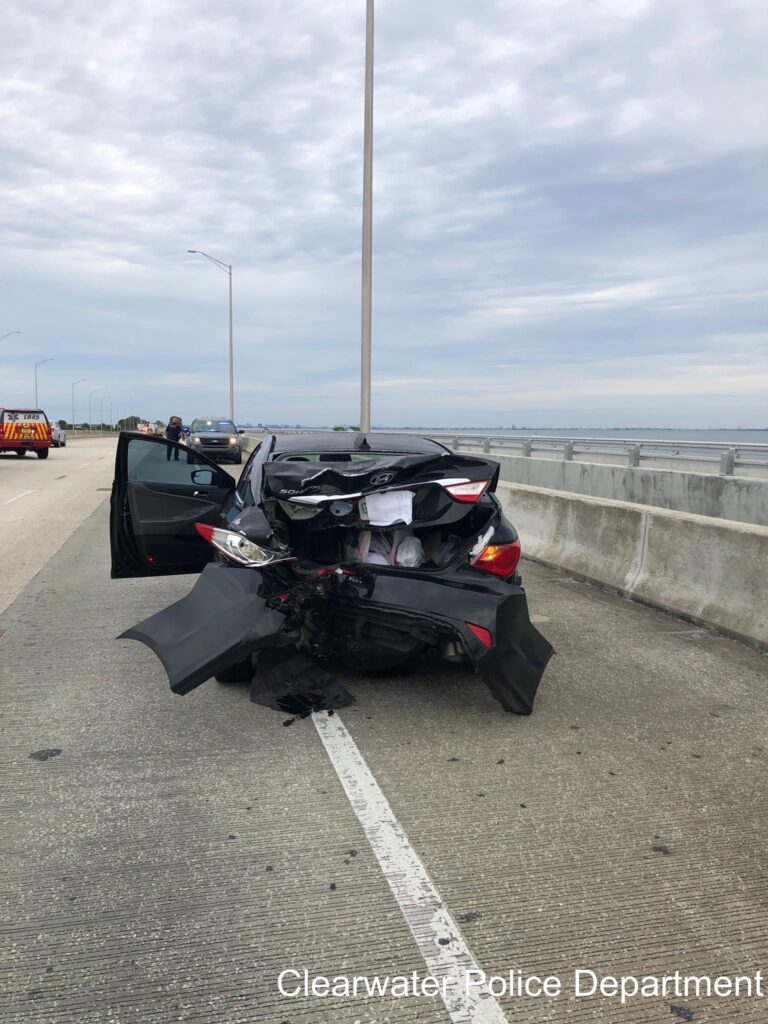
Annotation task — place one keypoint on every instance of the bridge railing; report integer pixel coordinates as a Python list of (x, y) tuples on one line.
[(728, 456)]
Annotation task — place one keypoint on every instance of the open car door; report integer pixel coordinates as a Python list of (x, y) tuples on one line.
[(160, 491)]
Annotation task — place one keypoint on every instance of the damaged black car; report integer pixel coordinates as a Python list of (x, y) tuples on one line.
[(366, 550)]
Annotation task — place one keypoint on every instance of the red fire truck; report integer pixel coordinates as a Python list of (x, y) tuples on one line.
[(25, 429)]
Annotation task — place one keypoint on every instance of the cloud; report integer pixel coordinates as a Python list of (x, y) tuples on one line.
[(577, 186)]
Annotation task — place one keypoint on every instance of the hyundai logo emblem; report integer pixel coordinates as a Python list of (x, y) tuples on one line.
[(379, 479)]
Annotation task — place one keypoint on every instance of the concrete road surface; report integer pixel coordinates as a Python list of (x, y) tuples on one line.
[(42, 501), (165, 858)]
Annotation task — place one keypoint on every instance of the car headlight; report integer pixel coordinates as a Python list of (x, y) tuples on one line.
[(234, 440), (195, 440)]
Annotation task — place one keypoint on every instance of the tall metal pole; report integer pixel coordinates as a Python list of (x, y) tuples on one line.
[(227, 268), (365, 332), (40, 362), (231, 355), (101, 414), (74, 382), (90, 418)]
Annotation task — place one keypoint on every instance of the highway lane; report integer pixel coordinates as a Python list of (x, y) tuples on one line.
[(177, 853), (42, 501)]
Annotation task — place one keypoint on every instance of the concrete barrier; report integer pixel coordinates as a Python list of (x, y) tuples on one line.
[(713, 572), (738, 498)]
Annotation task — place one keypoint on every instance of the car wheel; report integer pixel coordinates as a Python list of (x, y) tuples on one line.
[(240, 672), (42, 453), (238, 461), (21, 452)]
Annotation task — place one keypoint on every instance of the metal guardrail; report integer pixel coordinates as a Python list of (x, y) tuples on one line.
[(730, 456)]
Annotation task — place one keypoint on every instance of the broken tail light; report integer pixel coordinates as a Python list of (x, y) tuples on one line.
[(469, 491), (235, 546), (499, 559)]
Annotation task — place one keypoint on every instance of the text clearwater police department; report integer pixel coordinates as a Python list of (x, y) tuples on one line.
[(583, 983)]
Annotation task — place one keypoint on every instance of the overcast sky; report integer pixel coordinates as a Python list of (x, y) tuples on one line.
[(569, 209)]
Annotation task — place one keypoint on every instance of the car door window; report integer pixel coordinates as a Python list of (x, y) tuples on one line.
[(149, 463), (244, 493)]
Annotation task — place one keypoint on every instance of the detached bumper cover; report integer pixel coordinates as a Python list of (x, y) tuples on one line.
[(224, 619), (220, 622), (514, 665)]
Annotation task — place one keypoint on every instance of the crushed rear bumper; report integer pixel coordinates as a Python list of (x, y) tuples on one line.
[(228, 616)]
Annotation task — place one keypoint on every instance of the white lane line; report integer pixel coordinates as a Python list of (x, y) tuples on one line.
[(22, 495), (439, 940), (84, 465)]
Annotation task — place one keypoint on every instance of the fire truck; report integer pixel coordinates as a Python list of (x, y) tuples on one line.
[(22, 430)]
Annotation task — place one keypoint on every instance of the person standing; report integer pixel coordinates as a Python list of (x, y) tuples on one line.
[(173, 433)]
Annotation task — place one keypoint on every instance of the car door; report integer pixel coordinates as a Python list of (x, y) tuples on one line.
[(160, 491)]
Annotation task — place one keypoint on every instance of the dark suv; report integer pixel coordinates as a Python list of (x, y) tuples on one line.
[(217, 438)]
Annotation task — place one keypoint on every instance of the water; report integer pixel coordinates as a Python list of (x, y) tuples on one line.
[(735, 437)]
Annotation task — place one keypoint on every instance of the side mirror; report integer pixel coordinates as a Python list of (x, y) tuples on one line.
[(204, 477)]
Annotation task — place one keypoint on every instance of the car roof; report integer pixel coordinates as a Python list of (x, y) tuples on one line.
[(352, 441)]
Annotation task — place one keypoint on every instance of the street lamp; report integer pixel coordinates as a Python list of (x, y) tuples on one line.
[(101, 413), (40, 363), (4, 336), (367, 261), (227, 268), (74, 382), (90, 419)]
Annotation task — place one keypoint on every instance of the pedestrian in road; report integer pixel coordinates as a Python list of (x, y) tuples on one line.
[(173, 433)]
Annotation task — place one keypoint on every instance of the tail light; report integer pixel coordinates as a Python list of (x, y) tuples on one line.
[(499, 559), (466, 491), (483, 635), (235, 546)]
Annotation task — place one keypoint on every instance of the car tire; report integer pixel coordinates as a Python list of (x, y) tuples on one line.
[(21, 452), (238, 461), (42, 453), (240, 672)]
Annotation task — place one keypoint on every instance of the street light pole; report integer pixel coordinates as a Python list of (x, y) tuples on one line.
[(227, 268), (367, 261), (90, 418), (74, 382), (4, 336), (40, 363), (101, 414)]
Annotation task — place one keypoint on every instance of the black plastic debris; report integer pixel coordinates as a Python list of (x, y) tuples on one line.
[(290, 681), (681, 1011), (469, 917)]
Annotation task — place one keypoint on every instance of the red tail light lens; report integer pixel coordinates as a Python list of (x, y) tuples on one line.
[(482, 635), (499, 559), (467, 491), (205, 531)]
